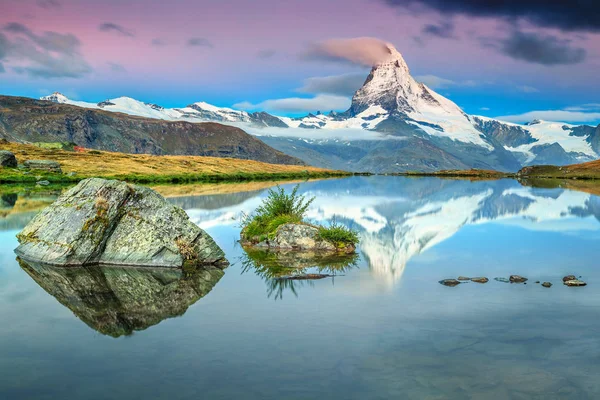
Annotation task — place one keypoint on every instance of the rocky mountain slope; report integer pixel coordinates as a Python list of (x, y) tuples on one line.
[(28, 120)]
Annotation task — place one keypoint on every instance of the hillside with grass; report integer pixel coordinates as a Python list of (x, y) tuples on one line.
[(588, 170), (146, 168), (28, 120)]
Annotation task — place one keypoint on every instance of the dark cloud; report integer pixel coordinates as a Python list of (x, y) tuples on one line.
[(115, 67), (340, 85), (199, 42), (444, 30), (49, 3), (3, 46), (538, 48), (158, 42), (419, 41), (15, 27), (112, 27), (574, 15), (264, 54), (49, 55)]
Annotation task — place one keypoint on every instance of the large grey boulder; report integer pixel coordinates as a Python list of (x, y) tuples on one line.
[(7, 159), (112, 222), (43, 165)]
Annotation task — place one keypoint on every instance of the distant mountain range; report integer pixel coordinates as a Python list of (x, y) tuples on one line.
[(420, 129), (28, 120)]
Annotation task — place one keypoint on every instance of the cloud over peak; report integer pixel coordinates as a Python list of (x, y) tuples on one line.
[(364, 51)]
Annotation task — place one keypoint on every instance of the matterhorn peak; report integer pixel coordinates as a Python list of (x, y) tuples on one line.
[(393, 59), (389, 85)]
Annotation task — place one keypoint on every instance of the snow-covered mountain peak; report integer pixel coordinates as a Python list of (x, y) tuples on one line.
[(56, 97)]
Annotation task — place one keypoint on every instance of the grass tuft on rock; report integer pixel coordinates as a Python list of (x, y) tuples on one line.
[(338, 234), (280, 208)]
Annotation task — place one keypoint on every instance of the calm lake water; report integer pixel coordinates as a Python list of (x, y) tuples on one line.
[(383, 327)]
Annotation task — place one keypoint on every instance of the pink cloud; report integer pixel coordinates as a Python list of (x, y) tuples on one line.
[(367, 51)]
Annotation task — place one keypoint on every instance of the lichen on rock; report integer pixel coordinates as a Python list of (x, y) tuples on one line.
[(111, 222)]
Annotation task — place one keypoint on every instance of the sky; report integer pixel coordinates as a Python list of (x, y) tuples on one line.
[(515, 59)]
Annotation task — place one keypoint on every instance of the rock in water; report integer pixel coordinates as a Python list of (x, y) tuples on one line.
[(463, 278), (43, 165), (301, 237), (569, 278), (111, 222), (450, 282), (546, 284), (575, 283), (481, 279), (7, 159), (517, 279)]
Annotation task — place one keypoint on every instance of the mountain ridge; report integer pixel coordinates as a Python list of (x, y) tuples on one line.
[(395, 106), (28, 120)]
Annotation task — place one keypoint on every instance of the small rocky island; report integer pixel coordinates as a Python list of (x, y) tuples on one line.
[(279, 224), (111, 222)]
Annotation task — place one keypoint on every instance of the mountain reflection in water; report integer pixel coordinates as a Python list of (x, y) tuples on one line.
[(117, 301), (383, 329), (399, 218)]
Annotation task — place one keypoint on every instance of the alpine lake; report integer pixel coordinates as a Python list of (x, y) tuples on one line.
[(380, 326)]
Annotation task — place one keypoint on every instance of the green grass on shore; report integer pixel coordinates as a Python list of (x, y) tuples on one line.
[(8, 175)]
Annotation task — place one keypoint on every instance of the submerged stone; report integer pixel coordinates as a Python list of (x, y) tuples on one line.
[(463, 278), (112, 222), (303, 277), (575, 283), (480, 280), (503, 280), (450, 282), (517, 279), (546, 284)]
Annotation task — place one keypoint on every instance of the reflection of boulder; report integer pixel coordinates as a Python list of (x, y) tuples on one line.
[(281, 268), (116, 301), (8, 200)]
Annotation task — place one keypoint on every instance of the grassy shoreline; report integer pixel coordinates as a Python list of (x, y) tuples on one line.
[(460, 174), (16, 178), (149, 169)]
